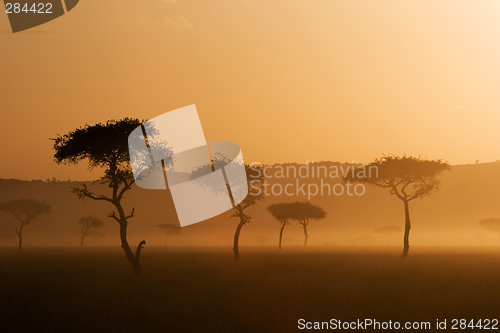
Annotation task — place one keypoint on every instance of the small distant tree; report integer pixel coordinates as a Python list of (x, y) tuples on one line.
[(388, 231), (303, 212), (491, 224), (87, 223), (24, 211), (280, 212), (406, 177), (169, 230)]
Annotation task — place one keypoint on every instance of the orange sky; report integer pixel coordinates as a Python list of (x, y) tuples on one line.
[(292, 80)]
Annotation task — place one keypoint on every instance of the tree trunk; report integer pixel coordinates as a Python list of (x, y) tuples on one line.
[(81, 240), (406, 240), (281, 232), (132, 259), (20, 236), (306, 235), (20, 241), (236, 250)]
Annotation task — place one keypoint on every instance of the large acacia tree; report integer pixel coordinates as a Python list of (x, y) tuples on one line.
[(105, 146), (406, 177), (24, 211)]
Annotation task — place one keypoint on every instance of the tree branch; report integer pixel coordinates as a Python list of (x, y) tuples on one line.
[(131, 215), (126, 187), (139, 248), (84, 192), (113, 215)]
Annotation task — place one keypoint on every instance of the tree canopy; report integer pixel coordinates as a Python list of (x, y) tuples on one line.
[(25, 210), (491, 224), (280, 211), (102, 144), (407, 177)]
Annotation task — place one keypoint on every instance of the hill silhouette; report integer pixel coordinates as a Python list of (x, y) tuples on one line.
[(450, 217)]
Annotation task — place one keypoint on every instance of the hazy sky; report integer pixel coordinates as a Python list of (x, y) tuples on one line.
[(293, 80)]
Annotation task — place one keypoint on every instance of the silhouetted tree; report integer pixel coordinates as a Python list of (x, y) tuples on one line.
[(282, 213), (169, 229), (105, 146), (492, 224), (255, 194), (87, 223), (406, 177), (388, 231), (24, 211), (303, 212), (241, 210)]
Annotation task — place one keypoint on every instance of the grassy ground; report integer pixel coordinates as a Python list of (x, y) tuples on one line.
[(202, 290)]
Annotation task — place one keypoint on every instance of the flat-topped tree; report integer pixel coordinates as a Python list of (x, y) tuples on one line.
[(105, 146), (406, 177), (24, 211), (303, 212)]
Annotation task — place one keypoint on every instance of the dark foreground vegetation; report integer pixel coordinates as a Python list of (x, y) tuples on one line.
[(203, 290)]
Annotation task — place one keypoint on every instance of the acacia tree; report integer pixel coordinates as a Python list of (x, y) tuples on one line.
[(406, 177), (240, 210), (388, 231), (303, 212), (87, 223), (280, 212), (169, 230), (105, 146), (254, 176), (24, 211), (491, 224)]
